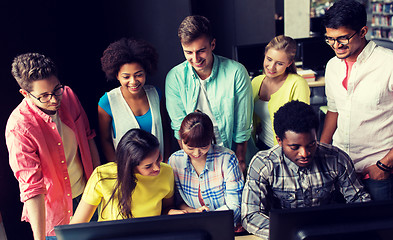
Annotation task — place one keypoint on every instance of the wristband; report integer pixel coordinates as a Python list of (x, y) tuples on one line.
[(383, 167)]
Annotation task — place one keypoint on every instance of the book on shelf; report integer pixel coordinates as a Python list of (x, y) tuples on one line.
[(307, 74)]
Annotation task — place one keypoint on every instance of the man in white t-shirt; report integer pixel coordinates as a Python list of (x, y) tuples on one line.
[(359, 89), (217, 86)]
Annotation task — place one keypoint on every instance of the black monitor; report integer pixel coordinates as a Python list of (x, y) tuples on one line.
[(212, 225), (314, 53), (357, 221), (251, 56)]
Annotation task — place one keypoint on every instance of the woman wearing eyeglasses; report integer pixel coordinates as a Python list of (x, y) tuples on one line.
[(133, 104), (278, 85)]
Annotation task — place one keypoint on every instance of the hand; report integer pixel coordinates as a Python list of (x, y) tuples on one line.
[(375, 173), (176, 212), (201, 209)]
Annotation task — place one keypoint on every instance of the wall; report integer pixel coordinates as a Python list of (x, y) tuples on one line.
[(254, 21), (297, 18)]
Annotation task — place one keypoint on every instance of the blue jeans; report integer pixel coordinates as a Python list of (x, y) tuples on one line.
[(50, 238), (379, 189)]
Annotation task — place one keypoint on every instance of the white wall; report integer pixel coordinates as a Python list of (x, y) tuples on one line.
[(297, 18)]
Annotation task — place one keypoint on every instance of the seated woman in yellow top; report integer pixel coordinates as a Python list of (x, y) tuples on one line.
[(278, 85), (138, 184)]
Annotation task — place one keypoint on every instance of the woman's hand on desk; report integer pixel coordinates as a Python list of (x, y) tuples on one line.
[(176, 212), (202, 209), (189, 210)]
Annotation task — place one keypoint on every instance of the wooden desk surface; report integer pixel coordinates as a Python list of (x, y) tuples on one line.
[(319, 82), (248, 237)]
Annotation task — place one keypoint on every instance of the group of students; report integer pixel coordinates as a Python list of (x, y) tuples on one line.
[(217, 115), (207, 174)]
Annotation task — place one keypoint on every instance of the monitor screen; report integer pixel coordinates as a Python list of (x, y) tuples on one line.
[(251, 56), (358, 221), (314, 53), (212, 225)]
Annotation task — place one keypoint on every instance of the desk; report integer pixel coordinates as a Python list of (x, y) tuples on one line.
[(319, 82), (248, 237)]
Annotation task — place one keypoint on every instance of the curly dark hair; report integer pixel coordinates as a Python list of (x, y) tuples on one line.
[(295, 116), (128, 50), (346, 13), (29, 67)]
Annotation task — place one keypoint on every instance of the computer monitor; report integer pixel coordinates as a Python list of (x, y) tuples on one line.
[(251, 56), (214, 225), (314, 53), (357, 221)]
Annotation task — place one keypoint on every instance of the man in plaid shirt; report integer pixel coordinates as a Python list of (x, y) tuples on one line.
[(299, 172)]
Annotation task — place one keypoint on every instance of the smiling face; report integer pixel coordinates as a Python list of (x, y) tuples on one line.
[(199, 53), (355, 45), (39, 89), (150, 166), (196, 153), (132, 77), (299, 147), (275, 63)]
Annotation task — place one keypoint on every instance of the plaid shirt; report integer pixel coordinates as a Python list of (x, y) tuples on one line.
[(274, 181), (221, 182)]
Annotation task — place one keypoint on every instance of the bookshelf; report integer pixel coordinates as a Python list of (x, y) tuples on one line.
[(382, 19)]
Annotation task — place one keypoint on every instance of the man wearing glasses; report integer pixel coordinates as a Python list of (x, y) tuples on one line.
[(50, 144), (359, 89)]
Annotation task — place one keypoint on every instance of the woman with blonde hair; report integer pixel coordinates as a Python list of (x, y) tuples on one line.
[(278, 85)]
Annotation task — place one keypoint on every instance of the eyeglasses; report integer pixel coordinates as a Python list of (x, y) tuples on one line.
[(340, 40), (46, 97)]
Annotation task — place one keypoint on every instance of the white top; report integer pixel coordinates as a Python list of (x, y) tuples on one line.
[(125, 119), (267, 134), (365, 110), (204, 106), (74, 164)]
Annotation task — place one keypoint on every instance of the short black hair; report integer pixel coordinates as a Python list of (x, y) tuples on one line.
[(295, 116), (346, 13)]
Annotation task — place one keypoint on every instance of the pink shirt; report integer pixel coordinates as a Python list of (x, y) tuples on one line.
[(349, 69), (37, 158)]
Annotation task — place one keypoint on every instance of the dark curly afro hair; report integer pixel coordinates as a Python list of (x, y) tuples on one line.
[(127, 50), (295, 116)]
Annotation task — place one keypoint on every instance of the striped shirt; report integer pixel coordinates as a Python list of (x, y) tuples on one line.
[(274, 181), (220, 182)]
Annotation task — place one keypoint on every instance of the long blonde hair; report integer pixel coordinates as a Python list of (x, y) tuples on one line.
[(288, 45)]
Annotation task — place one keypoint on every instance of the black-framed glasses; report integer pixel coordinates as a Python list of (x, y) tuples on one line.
[(46, 97), (340, 40)]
